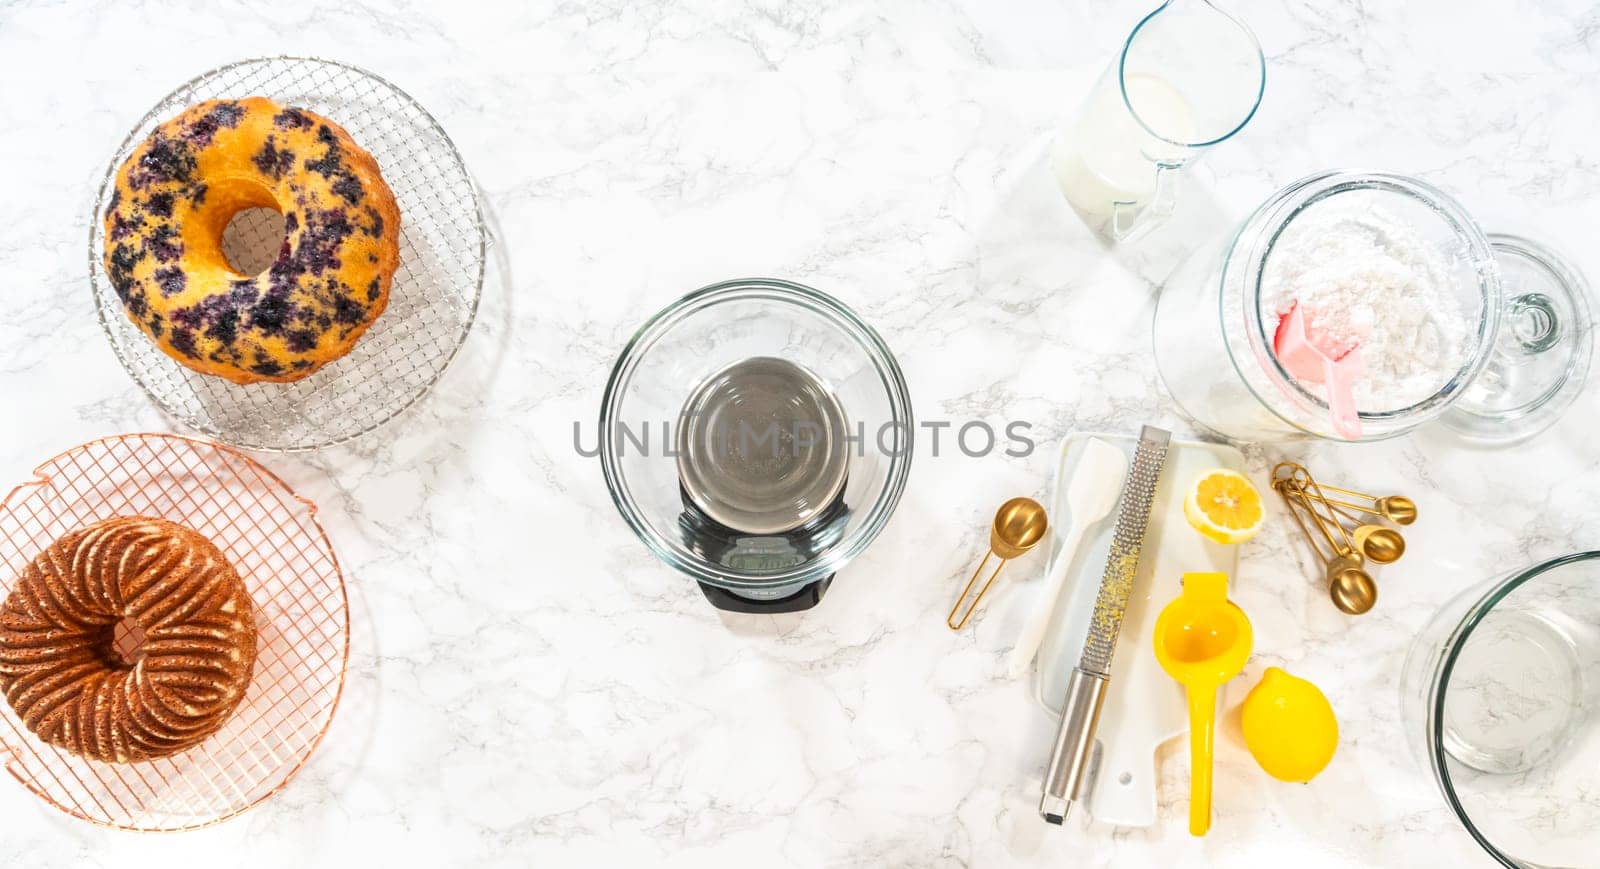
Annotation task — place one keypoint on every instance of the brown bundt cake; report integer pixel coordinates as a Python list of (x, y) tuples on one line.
[(72, 688), (176, 193)]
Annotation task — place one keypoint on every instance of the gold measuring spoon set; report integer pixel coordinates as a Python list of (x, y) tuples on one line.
[(1345, 534)]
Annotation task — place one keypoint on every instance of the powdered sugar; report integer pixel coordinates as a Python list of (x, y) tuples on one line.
[(1367, 278)]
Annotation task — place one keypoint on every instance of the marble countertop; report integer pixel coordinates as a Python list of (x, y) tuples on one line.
[(527, 685)]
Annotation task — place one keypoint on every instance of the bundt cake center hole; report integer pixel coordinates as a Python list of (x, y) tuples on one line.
[(127, 641), (252, 239)]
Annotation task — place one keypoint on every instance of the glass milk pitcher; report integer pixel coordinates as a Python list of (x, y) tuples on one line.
[(1189, 76)]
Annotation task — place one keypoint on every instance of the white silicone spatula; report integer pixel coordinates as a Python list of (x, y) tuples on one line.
[(1096, 482)]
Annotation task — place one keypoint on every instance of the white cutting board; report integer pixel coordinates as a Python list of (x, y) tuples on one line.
[(1143, 707)]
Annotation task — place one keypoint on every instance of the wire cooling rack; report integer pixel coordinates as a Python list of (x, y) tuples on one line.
[(432, 301), (274, 542)]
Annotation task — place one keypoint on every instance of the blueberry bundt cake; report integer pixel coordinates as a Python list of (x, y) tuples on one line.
[(176, 193), (74, 685)]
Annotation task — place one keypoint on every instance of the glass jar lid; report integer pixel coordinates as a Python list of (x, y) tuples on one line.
[(1540, 360)]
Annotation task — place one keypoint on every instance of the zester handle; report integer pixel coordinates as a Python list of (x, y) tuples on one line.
[(1069, 761)]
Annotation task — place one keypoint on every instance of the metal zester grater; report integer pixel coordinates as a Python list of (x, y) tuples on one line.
[(1086, 687)]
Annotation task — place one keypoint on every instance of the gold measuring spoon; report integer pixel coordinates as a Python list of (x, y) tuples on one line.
[(1019, 525), (1396, 508), (1350, 587), (1379, 544)]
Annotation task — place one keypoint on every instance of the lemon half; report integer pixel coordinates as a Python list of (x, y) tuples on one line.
[(1224, 505)]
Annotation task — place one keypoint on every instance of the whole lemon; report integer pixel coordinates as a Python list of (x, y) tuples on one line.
[(1289, 727)]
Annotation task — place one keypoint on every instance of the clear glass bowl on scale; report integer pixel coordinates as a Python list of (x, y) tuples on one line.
[(1214, 326), (756, 435), (1500, 697)]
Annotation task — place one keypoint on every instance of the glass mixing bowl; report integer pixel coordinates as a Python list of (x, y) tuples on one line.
[(684, 353), (1501, 700)]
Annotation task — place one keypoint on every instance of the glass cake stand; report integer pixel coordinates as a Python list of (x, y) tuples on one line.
[(273, 539), (432, 303)]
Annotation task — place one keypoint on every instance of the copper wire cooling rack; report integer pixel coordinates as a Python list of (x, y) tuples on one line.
[(302, 622), (432, 302)]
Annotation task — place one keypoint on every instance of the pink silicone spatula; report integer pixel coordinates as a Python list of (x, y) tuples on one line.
[(1309, 363)]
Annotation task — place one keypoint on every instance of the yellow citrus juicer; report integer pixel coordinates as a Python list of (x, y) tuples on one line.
[(1202, 640)]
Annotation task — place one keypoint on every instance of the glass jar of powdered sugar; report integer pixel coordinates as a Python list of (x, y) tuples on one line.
[(1379, 263)]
